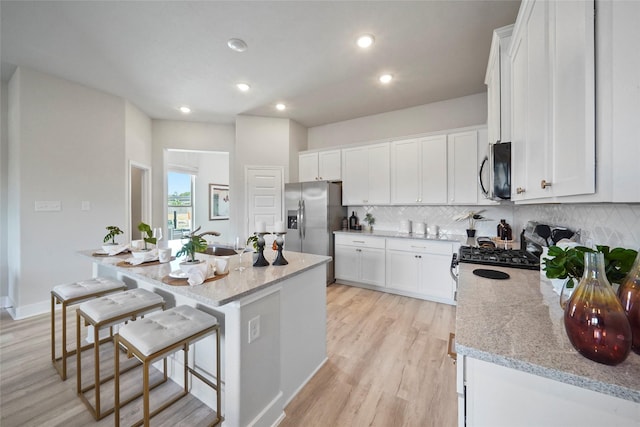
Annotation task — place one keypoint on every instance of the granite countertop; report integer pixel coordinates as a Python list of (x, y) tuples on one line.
[(518, 323), (235, 285), (463, 240)]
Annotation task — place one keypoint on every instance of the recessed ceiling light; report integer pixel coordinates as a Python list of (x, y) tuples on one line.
[(365, 41), (385, 78), (237, 45), (280, 107), (185, 110), (243, 87)]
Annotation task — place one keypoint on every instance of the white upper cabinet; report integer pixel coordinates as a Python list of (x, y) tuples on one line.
[(498, 81), (552, 100), (419, 170), (463, 168), (365, 175), (320, 166)]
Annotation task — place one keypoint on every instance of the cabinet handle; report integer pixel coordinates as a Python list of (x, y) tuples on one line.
[(544, 184), (450, 352), (520, 190), (358, 250), (319, 178), (419, 247), (358, 241), (365, 201)]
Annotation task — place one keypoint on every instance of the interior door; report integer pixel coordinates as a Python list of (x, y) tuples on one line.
[(264, 196)]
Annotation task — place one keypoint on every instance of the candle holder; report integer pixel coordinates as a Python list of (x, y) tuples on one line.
[(261, 261), (280, 243)]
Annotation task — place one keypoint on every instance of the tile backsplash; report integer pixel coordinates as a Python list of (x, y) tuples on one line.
[(603, 224)]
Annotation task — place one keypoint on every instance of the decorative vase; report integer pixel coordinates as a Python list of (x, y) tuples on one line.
[(471, 232), (629, 295), (594, 319)]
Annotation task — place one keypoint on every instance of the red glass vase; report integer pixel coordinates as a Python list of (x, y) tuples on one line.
[(594, 320), (629, 295)]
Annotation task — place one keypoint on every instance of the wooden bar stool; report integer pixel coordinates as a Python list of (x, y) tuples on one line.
[(157, 336), (74, 293), (105, 312)]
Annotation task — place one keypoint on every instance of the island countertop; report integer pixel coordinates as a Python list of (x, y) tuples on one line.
[(518, 323), (235, 285)]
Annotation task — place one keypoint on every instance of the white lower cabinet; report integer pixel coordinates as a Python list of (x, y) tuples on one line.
[(360, 259), (494, 395), (421, 268), (417, 268)]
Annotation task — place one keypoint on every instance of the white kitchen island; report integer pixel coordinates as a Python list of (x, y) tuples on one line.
[(286, 306)]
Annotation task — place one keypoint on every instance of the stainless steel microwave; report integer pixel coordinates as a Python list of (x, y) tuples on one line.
[(496, 183)]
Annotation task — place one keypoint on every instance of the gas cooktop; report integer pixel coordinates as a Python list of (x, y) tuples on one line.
[(499, 257)]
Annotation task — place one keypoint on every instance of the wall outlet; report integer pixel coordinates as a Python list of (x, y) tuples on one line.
[(85, 205), (254, 329)]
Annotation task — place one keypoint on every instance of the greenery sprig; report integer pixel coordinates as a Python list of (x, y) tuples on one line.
[(114, 230), (146, 229), (193, 245), (569, 263)]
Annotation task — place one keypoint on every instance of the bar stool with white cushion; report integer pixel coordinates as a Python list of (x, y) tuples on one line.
[(74, 293), (157, 336), (105, 312)]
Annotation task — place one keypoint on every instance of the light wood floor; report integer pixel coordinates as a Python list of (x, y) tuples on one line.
[(387, 366)]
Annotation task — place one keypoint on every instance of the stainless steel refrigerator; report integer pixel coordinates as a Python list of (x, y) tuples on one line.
[(313, 211)]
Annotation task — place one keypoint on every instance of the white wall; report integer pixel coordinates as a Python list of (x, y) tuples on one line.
[(66, 143), (260, 141), (298, 135), (168, 134), (4, 178), (453, 113)]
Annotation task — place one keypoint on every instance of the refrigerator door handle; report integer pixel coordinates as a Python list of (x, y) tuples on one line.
[(299, 219), (304, 225)]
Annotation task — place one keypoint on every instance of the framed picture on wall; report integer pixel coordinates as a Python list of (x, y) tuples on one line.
[(218, 202)]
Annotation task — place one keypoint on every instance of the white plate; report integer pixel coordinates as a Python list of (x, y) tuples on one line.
[(178, 274), (101, 252)]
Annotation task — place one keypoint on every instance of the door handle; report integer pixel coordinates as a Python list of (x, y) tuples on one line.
[(485, 192), (304, 225), (299, 219)]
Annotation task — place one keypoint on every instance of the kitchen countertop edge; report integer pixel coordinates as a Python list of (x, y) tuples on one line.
[(191, 291)]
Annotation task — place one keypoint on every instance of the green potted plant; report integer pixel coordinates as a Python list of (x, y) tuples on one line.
[(472, 217), (370, 220), (194, 244), (110, 246), (568, 265), (146, 229)]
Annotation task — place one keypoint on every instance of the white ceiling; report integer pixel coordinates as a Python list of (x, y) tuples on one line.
[(163, 54)]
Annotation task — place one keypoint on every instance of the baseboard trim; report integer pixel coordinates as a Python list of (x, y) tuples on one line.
[(30, 310)]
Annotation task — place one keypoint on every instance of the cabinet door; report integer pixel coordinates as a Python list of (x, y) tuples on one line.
[(573, 74), (329, 165), (402, 270), (493, 93), (434, 169), (372, 266), (405, 172), (347, 263), (307, 167), (463, 167), (355, 175), (435, 279), (518, 116), (536, 147), (379, 184)]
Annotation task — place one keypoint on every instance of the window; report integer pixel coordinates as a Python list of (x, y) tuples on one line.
[(180, 203)]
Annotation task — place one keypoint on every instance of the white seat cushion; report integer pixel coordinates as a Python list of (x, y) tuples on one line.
[(87, 288), (112, 306), (163, 329)]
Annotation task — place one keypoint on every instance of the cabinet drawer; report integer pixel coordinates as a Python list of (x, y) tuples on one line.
[(361, 241), (420, 246)]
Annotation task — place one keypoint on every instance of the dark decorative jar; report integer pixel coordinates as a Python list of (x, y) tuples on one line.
[(594, 319), (471, 232), (629, 295)]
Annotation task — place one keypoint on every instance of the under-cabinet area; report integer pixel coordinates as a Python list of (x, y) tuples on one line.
[(397, 263)]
